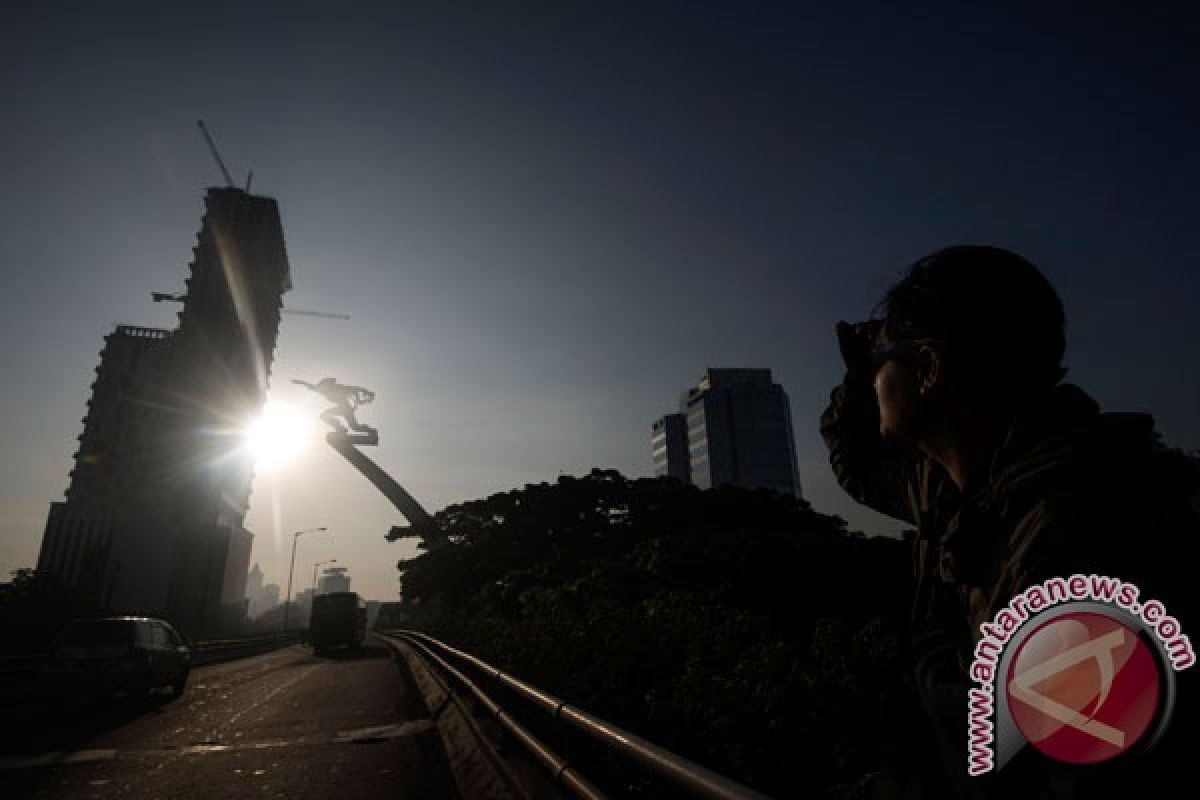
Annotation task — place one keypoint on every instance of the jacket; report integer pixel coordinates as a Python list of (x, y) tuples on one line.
[(1069, 490)]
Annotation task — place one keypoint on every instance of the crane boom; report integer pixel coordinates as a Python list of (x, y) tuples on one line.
[(303, 312), (167, 297), (212, 148)]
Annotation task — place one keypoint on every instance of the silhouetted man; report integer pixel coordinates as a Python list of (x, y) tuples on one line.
[(952, 417)]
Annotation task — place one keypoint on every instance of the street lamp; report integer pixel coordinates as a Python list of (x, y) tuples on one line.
[(319, 564), (288, 598)]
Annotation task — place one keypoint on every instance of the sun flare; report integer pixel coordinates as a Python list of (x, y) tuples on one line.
[(277, 436)]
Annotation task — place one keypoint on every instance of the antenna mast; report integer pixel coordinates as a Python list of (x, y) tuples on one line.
[(212, 148)]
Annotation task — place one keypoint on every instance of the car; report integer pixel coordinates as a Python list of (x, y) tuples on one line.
[(106, 655)]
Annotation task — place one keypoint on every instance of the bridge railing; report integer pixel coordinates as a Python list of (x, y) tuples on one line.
[(203, 652), (217, 650), (22, 679), (683, 775)]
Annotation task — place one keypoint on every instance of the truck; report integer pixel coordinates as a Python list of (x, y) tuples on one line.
[(339, 619)]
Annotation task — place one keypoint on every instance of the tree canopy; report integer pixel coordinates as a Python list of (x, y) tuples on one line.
[(738, 627)]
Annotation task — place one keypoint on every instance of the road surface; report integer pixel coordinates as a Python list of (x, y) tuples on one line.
[(283, 724)]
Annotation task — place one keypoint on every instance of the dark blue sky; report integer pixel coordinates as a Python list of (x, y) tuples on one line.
[(546, 219)]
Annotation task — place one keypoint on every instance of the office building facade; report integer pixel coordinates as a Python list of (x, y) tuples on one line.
[(668, 447), (333, 579), (736, 431)]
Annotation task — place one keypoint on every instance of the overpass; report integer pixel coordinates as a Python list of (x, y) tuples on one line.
[(404, 716)]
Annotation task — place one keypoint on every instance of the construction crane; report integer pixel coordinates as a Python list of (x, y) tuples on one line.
[(167, 297), (304, 312), (212, 148)]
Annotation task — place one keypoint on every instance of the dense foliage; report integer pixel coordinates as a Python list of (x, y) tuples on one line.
[(739, 628)]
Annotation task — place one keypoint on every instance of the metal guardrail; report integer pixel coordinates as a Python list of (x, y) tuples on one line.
[(206, 652), (213, 651), (673, 769), (21, 676)]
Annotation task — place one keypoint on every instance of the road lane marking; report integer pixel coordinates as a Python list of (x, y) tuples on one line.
[(86, 756), (54, 759), (373, 735), (310, 670), (200, 749), (382, 733)]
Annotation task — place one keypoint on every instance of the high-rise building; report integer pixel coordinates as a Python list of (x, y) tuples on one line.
[(302, 607), (260, 597), (254, 589), (254, 582), (85, 541), (152, 521), (669, 447), (736, 430), (333, 579), (270, 597)]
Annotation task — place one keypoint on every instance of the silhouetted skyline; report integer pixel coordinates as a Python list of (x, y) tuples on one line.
[(544, 218)]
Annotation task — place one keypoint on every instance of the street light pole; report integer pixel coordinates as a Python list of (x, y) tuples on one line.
[(287, 600), (315, 565)]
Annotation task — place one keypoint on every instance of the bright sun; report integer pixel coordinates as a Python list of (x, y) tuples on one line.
[(279, 435)]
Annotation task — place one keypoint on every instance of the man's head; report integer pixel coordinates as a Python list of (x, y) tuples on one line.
[(969, 330)]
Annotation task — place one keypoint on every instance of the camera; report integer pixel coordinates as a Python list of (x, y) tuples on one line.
[(856, 341)]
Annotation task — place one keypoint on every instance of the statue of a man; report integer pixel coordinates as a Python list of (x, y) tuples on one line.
[(345, 399)]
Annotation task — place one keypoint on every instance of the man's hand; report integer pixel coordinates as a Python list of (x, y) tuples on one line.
[(856, 342)]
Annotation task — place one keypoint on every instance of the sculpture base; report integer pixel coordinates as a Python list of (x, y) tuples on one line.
[(358, 439)]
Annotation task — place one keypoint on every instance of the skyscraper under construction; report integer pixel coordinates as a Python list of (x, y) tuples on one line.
[(153, 518)]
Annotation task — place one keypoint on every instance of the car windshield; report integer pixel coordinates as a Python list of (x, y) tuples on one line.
[(99, 632)]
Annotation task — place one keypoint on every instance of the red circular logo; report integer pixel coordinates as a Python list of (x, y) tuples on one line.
[(1083, 688)]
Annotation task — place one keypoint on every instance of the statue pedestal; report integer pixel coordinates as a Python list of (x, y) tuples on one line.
[(359, 439)]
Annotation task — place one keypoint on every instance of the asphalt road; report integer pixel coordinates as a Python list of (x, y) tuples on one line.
[(283, 724)]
